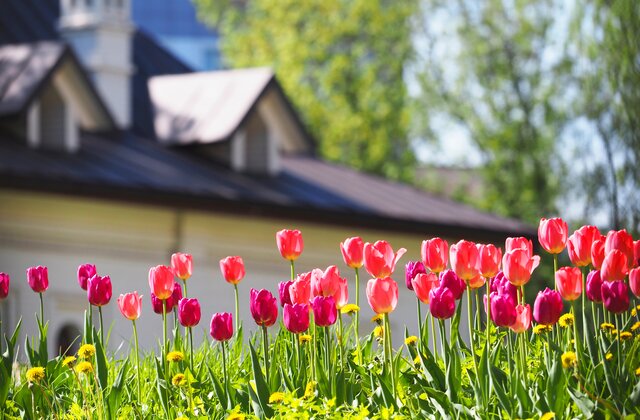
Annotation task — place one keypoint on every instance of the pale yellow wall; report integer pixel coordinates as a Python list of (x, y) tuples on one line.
[(124, 240)]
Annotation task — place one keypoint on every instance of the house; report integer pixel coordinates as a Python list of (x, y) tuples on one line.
[(114, 152)]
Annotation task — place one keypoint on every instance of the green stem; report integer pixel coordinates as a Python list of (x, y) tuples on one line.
[(235, 288), (433, 336), (191, 349), (340, 335), (135, 336), (90, 313), (185, 288), (293, 271), (327, 355), (488, 338), (313, 347), (387, 336), (265, 344), (41, 309), (443, 343), (101, 326), (471, 340), (164, 336), (576, 339), (555, 269), (357, 327), (297, 338), (224, 368), (478, 323), (616, 317), (419, 319)]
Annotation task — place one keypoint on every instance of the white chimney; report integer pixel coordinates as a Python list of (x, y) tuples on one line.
[(100, 33)]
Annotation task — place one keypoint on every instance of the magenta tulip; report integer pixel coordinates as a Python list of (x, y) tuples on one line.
[(503, 310), (324, 310), (594, 286), (85, 272), (296, 318), (502, 286), (411, 270), (221, 328), (451, 281), (263, 307), (38, 278), (99, 290), (615, 295), (4, 285), (547, 307), (188, 312), (443, 302), (283, 292)]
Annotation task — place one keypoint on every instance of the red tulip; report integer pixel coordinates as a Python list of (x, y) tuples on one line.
[(547, 307), (615, 295), (221, 327), (4, 285), (477, 282), (181, 265), (594, 286), (300, 290), (382, 295), (614, 267), (579, 245), (552, 234), (324, 310), (443, 304), (232, 269), (99, 290), (503, 310), (172, 301), (283, 292), (490, 257), (569, 283), (435, 253), (597, 252), (518, 243), (523, 319), (130, 305), (636, 253), (290, 244), (464, 259), (263, 306), (189, 312), (451, 281), (622, 241), (412, 269), (161, 281), (296, 318), (634, 281), (379, 259), (342, 294), (325, 283), (85, 272), (518, 265), (353, 252), (423, 283), (38, 278)]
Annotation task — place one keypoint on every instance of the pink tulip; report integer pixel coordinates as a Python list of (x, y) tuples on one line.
[(99, 290), (594, 286), (290, 244), (325, 283), (300, 290), (4, 285), (353, 252), (622, 241), (597, 252), (614, 267), (443, 303), (189, 312), (176, 295), (435, 253), (161, 281), (263, 306), (296, 318), (634, 281), (579, 245), (518, 265), (382, 295), (85, 272), (324, 310), (636, 253), (523, 319), (379, 259), (423, 284), (489, 257), (569, 283), (464, 259), (283, 292), (615, 295), (182, 265), (503, 310), (221, 327), (451, 281), (130, 305), (552, 235), (519, 243), (477, 282), (547, 307), (342, 294), (412, 269), (38, 278), (232, 269)]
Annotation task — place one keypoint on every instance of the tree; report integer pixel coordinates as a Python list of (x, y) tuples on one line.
[(340, 61), (486, 66)]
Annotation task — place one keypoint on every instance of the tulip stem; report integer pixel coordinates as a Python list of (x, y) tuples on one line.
[(265, 344), (555, 269), (224, 371), (419, 319), (164, 336), (471, 340), (90, 313), (191, 349), (185, 288), (576, 339), (135, 336), (433, 336), (616, 317), (41, 309), (488, 326), (357, 329), (235, 288), (313, 347), (387, 336), (340, 337), (327, 356), (293, 270), (101, 329)]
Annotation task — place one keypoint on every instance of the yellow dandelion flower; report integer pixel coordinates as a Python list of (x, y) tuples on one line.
[(179, 379), (310, 390), (377, 319), (608, 356), (378, 331), (569, 359), (635, 326), (625, 335), (236, 416), (634, 312), (304, 338), (607, 326), (84, 367), (276, 397), (350, 309), (614, 332), (68, 361), (540, 329), (412, 339), (175, 356), (566, 320), (182, 418), (87, 351), (638, 372), (35, 374), (416, 361), (548, 416)]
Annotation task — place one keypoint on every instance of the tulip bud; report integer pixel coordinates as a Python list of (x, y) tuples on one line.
[(38, 278), (296, 318), (181, 265), (189, 312), (283, 292), (161, 281), (435, 253), (412, 269), (300, 290), (221, 328), (594, 286), (99, 290), (464, 259), (614, 266), (489, 257), (382, 295), (547, 307), (615, 295), (324, 310), (353, 252), (290, 244), (130, 305), (523, 319), (85, 272), (4, 285), (569, 283), (552, 234), (443, 303), (422, 285), (451, 281), (634, 281), (379, 259), (232, 269), (263, 306), (503, 310), (579, 245)]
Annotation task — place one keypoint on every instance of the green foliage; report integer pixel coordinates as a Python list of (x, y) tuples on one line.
[(341, 62)]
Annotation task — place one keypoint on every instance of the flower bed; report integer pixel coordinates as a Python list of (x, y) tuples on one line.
[(307, 360)]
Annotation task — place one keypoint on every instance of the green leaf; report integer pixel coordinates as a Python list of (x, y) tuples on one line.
[(161, 386), (218, 388), (115, 393), (262, 389), (583, 402), (102, 367)]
